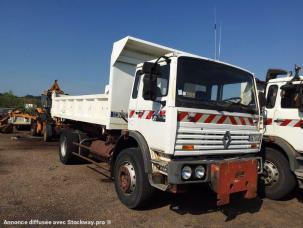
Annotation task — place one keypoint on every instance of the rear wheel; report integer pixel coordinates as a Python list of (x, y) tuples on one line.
[(131, 181), (278, 180), (67, 138)]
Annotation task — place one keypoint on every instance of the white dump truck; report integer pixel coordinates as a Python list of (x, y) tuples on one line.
[(167, 119), (282, 142)]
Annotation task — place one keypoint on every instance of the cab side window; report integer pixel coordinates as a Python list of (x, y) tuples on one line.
[(290, 98), (136, 85), (271, 96), (162, 81)]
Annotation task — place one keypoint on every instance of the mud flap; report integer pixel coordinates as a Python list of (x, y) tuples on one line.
[(234, 176)]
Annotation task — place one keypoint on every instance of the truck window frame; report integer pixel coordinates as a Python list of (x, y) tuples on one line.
[(203, 71), (136, 85), (288, 105), (163, 68), (270, 99)]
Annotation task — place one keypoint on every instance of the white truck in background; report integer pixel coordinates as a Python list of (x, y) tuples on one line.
[(282, 142), (168, 119)]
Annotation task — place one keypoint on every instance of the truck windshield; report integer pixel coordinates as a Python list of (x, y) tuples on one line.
[(205, 84)]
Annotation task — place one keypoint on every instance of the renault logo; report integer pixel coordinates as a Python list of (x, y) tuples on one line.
[(226, 140)]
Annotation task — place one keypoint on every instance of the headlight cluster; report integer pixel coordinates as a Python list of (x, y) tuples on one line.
[(197, 172)]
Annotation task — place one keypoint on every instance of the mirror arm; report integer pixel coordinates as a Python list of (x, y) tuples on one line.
[(167, 60), (163, 103)]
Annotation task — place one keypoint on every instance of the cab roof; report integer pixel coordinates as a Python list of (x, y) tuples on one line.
[(283, 79)]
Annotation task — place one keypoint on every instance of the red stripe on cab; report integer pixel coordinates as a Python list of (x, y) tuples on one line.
[(149, 115), (209, 118), (285, 122), (251, 122), (232, 120), (141, 114), (131, 113), (222, 119), (196, 118), (182, 115), (299, 123), (242, 120), (268, 121)]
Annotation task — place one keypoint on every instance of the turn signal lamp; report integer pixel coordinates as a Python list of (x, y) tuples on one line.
[(253, 146), (188, 147)]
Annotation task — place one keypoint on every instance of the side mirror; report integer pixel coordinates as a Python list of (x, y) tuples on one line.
[(151, 71), (150, 68), (150, 87)]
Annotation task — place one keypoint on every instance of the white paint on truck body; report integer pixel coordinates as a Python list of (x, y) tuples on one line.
[(169, 134)]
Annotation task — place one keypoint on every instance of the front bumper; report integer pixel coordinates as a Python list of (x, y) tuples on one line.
[(175, 167), (226, 176)]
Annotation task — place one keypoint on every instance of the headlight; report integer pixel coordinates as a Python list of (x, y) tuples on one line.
[(254, 138), (200, 171), (186, 172)]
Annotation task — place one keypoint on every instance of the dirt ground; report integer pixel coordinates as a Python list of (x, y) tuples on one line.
[(34, 185)]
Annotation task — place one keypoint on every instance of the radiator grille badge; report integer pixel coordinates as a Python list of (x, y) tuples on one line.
[(226, 140)]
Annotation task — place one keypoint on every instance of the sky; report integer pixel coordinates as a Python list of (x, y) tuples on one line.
[(71, 40)]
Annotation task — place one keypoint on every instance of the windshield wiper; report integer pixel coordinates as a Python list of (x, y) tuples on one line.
[(243, 106), (208, 104), (222, 105)]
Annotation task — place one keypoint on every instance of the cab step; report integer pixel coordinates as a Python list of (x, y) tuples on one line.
[(299, 173)]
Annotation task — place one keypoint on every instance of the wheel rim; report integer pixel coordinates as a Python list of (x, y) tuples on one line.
[(127, 178), (271, 173), (63, 147)]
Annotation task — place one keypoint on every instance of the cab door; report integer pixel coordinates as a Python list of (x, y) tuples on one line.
[(133, 101), (288, 120), (149, 117), (271, 106)]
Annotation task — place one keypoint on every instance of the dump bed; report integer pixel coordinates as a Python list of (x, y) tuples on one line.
[(85, 108), (107, 109)]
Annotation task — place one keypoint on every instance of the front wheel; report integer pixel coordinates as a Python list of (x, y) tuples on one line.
[(277, 178), (131, 181)]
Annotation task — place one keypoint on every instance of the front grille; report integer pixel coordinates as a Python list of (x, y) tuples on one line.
[(210, 141)]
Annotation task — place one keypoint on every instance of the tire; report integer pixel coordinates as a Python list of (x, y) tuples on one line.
[(139, 195), (277, 166), (34, 129), (47, 133), (67, 147)]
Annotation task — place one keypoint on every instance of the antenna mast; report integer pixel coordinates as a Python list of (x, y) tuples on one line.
[(219, 51), (215, 31)]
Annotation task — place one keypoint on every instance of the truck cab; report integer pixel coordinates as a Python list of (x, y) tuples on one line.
[(194, 113), (192, 104), (283, 133)]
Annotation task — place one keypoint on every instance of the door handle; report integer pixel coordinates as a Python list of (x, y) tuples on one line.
[(278, 120)]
